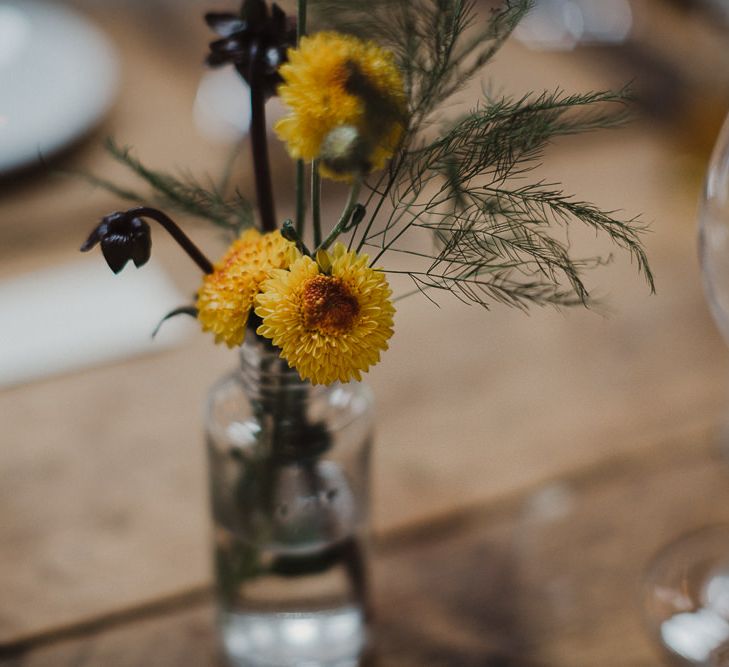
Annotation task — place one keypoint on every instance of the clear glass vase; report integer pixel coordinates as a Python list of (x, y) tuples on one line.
[(289, 481)]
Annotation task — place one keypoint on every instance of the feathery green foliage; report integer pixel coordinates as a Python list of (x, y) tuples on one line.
[(498, 237), (439, 44), (183, 194), (498, 240)]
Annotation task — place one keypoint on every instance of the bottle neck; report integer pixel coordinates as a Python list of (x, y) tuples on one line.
[(281, 400), (265, 375)]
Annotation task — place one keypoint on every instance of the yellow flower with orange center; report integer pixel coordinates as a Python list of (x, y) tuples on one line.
[(344, 93), (329, 325), (225, 298)]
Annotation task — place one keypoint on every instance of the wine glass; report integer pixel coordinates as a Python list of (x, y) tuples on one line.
[(686, 593)]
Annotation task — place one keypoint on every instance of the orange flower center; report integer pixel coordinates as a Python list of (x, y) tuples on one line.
[(328, 305)]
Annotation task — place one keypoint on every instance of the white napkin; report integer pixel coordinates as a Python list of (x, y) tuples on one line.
[(81, 314)]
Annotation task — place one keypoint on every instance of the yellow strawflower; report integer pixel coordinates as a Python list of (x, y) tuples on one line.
[(225, 298), (330, 326), (334, 81)]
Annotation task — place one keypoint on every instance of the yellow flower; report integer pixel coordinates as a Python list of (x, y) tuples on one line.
[(333, 81), (330, 326), (226, 296)]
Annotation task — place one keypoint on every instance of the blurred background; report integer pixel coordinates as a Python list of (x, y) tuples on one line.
[(102, 469)]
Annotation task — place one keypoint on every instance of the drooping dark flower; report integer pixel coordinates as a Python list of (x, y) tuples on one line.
[(123, 238), (254, 41)]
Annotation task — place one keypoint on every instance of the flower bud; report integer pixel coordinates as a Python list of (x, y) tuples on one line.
[(123, 237), (288, 231), (345, 151), (358, 214)]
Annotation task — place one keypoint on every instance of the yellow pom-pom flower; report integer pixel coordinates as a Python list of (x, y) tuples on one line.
[(329, 325), (225, 299), (334, 81)]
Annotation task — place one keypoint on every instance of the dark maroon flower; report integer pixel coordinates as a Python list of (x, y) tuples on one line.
[(254, 41), (123, 238)]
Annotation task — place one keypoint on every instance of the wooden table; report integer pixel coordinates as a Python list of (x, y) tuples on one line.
[(527, 468), (551, 576)]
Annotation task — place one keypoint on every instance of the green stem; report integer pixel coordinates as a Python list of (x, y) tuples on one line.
[(300, 168), (390, 183), (346, 214), (300, 19), (300, 198), (316, 202)]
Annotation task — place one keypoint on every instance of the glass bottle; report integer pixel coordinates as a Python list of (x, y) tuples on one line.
[(289, 486)]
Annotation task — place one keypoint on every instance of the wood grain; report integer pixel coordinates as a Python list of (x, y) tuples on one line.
[(551, 577)]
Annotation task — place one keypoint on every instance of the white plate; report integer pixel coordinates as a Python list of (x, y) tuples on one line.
[(58, 76)]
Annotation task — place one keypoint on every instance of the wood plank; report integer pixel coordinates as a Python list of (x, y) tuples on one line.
[(551, 577)]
